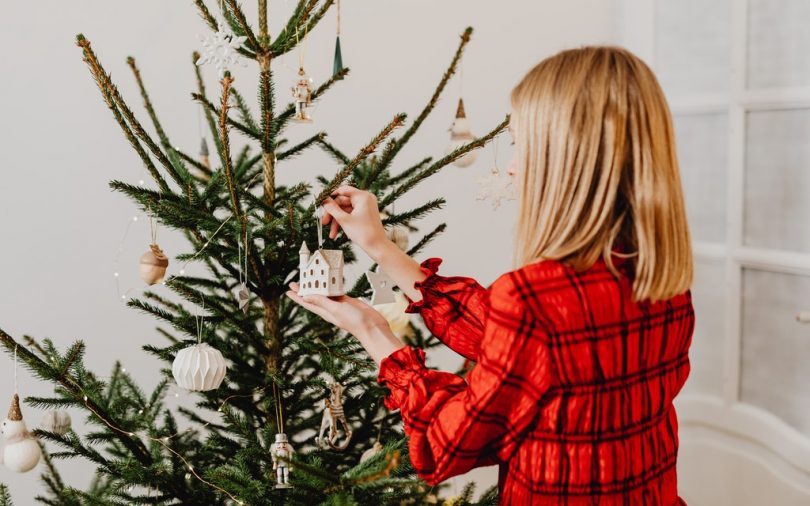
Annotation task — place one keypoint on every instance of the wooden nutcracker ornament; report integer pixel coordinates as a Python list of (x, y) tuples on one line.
[(302, 94), (282, 452)]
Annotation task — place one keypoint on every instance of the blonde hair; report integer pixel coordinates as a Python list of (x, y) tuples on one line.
[(597, 169)]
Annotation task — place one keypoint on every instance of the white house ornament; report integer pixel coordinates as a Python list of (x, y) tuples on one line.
[(21, 452), (199, 368), (221, 48), (282, 452), (335, 433), (382, 288), (321, 273), (302, 94), (56, 421), (495, 188), (394, 313), (153, 265), (460, 134)]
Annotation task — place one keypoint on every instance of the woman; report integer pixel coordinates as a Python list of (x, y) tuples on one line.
[(580, 351)]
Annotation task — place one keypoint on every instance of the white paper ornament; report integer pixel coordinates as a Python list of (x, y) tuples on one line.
[(199, 368), (382, 288), (395, 315), (460, 134), (221, 48), (495, 188), (243, 296), (21, 452), (56, 421)]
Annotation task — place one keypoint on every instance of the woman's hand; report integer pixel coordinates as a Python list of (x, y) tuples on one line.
[(355, 317), (355, 211)]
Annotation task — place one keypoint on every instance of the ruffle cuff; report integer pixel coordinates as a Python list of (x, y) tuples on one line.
[(428, 286), (397, 372)]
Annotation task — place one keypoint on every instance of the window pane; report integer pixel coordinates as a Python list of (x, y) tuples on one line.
[(702, 153), (692, 46), (775, 347), (777, 180), (778, 39), (706, 353)]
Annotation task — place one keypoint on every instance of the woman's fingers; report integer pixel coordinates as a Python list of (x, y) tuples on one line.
[(318, 310), (347, 190), (335, 210), (334, 230)]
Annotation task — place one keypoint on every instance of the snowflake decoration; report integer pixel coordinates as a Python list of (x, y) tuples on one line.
[(221, 48), (495, 187)]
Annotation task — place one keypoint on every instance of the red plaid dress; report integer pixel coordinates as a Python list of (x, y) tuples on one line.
[(571, 394)]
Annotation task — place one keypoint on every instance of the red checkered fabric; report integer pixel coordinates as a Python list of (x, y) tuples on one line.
[(571, 392)]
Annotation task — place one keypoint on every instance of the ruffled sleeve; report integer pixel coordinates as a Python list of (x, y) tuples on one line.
[(453, 308), (453, 424)]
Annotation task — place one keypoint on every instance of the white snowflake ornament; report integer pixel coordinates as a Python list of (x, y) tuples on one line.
[(221, 48), (495, 187)]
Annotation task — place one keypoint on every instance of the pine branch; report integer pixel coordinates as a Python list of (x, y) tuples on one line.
[(364, 153), (5, 496), (112, 91), (427, 239), (300, 147), (242, 20), (451, 69), (244, 110), (100, 78), (441, 163), (211, 108), (209, 116), (405, 174), (290, 35), (226, 146), (332, 150)]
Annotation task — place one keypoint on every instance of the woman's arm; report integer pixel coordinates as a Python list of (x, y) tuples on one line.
[(455, 425), (453, 308)]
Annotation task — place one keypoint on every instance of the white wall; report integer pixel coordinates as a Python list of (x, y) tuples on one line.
[(59, 146)]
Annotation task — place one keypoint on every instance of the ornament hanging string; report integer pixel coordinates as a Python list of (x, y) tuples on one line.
[(16, 385), (338, 18), (302, 47), (319, 216)]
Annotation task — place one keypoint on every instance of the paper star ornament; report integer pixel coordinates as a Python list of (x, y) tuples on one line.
[(243, 296), (382, 286)]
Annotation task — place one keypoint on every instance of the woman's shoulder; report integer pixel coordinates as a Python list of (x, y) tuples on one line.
[(528, 283)]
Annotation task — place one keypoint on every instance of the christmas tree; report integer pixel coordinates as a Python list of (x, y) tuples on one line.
[(246, 230)]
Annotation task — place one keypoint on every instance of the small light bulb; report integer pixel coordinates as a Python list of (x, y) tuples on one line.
[(85, 398), (123, 297), (182, 271), (134, 218), (123, 369), (140, 182), (140, 411), (165, 440), (177, 395), (131, 434), (115, 274)]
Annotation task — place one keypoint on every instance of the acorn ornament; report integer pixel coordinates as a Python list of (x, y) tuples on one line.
[(153, 265), (56, 421), (199, 368), (21, 452), (460, 134)]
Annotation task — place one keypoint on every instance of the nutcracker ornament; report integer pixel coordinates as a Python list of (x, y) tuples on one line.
[(281, 453), (22, 451), (302, 94), (333, 415)]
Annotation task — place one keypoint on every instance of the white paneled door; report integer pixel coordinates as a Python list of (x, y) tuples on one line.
[(737, 76)]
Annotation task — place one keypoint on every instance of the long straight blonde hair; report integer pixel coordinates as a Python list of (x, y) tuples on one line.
[(597, 169)]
